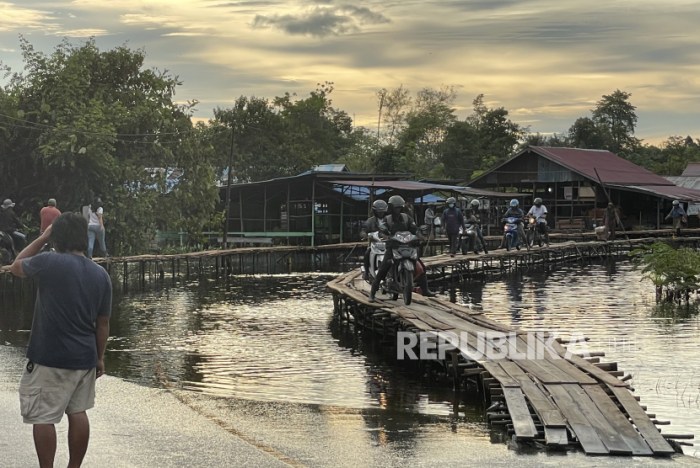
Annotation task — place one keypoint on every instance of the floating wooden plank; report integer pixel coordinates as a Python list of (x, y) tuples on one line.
[(572, 370), (556, 436), (646, 428), (540, 368), (581, 427), (548, 413), (587, 367), (498, 373), (607, 433), (618, 420), (523, 424)]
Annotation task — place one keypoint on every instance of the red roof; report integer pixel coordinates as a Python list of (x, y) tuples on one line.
[(692, 170), (610, 168)]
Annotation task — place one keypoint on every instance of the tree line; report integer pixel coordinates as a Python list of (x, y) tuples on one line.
[(80, 122)]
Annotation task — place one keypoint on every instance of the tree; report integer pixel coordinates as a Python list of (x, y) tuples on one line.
[(88, 123), (586, 134), (485, 138), (616, 115), (427, 122)]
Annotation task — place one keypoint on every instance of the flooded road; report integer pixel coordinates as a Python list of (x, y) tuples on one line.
[(264, 356)]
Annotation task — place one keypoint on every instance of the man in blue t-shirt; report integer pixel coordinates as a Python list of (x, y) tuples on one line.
[(68, 339)]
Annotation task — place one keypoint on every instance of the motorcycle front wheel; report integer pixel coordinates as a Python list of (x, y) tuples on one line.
[(407, 286)]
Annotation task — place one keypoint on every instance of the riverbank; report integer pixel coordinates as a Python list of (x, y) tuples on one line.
[(135, 426), (131, 426)]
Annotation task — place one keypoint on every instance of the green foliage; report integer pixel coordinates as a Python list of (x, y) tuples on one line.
[(668, 267), (282, 137), (82, 123)]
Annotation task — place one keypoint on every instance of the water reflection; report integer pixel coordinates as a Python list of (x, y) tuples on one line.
[(272, 339), (613, 306)]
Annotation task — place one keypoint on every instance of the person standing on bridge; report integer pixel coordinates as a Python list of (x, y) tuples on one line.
[(678, 216), (611, 220), (452, 220), (391, 224), (48, 214), (68, 337)]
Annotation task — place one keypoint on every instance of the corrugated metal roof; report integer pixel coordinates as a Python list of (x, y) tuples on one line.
[(414, 186), (692, 170), (611, 168), (685, 181), (670, 192)]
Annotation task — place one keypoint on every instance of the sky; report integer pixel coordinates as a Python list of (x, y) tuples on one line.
[(546, 61)]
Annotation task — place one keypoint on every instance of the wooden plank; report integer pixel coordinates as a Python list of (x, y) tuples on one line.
[(646, 428), (581, 427), (523, 424), (570, 369), (557, 365), (588, 367), (449, 319), (607, 433), (499, 374), (427, 319), (556, 435), (548, 413), (618, 420), (539, 368)]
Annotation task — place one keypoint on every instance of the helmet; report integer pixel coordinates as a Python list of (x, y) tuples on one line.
[(475, 204), (538, 201), (396, 201), (514, 203), (676, 202), (451, 200), (379, 207)]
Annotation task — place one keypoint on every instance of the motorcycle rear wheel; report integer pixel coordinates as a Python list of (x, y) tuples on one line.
[(407, 286)]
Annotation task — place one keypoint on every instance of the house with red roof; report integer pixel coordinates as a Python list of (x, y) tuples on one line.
[(577, 184)]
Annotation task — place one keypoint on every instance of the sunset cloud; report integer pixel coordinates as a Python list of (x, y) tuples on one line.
[(546, 61)]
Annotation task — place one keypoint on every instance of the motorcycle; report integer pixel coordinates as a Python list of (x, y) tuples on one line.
[(7, 248), (467, 238), (405, 265), (533, 230), (510, 232), (377, 250)]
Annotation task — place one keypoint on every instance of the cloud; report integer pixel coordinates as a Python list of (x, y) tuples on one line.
[(322, 21), (82, 33), (15, 18)]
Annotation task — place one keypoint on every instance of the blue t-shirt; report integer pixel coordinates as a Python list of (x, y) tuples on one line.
[(72, 291)]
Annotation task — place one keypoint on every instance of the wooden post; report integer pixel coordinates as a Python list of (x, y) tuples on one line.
[(313, 212), (265, 208)]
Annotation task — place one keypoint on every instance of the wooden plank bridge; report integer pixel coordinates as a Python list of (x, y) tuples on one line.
[(556, 398)]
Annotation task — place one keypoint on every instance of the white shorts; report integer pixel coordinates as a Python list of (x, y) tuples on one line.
[(45, 393)]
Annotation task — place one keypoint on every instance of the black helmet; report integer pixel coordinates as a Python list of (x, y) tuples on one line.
[(379, 207), (397, 201), (451, 200)]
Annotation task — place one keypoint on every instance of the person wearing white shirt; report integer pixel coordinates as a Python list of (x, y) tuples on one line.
[(539, 212)]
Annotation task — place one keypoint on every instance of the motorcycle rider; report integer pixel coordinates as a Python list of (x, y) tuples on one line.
[(452, 219), (473, 216), (539, 212), (394, 222), (514, 211), (379, 209), (11, 224)]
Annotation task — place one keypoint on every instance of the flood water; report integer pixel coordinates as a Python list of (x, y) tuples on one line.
[(272, 340)]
